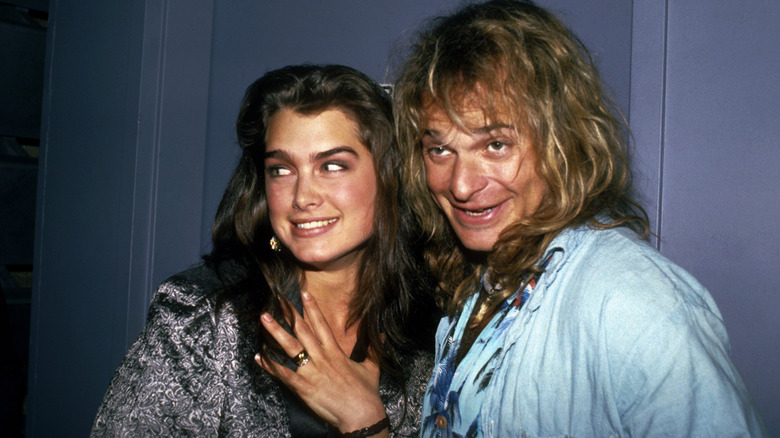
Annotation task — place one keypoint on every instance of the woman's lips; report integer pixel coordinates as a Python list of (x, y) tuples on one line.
[(314, 224), (312, 227)]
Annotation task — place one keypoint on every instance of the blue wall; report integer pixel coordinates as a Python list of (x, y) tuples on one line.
[(137, 146), (720, 202), (704, 113)]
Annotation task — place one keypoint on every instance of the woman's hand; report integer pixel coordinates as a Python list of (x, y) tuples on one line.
[(343, 392)]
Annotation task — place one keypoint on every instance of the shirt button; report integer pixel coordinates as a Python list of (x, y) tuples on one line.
[(441, 422)]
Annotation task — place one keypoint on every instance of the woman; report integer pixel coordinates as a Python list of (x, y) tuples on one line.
[(312, 210), (562, 320)]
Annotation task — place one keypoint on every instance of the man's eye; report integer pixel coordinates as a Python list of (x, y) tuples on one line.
[(437, 150), (496, 145)]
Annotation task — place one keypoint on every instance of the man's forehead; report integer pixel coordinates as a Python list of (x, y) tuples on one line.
[(468, 116), (469, 106)]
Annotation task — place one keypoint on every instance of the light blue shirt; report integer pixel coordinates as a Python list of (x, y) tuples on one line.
[(615, 340)]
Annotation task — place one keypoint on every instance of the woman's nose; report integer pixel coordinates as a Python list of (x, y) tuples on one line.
[(307, 193)]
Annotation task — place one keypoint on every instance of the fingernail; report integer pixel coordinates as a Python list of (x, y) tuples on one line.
[(258, 358), (266, 317), (305, 295)]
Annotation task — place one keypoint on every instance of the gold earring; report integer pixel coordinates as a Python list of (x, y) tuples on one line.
[(275, 244)]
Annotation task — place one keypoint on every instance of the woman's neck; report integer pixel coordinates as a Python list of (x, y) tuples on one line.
[(333, 292)]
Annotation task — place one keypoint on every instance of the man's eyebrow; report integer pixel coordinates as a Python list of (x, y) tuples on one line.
[(431, 133), (481, 130), (494, 127)]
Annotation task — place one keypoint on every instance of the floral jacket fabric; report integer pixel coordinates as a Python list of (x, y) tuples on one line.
[(192, 372)]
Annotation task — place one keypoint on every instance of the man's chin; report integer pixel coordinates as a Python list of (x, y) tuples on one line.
[(477, 244)]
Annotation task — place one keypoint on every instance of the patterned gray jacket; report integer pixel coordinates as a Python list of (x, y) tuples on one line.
[(192, 372)]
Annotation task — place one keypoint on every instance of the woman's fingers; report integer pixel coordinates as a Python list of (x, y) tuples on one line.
[(288, 342), (302, 338), (291, 346), (304, 333), (279, 371), (342, 392), (318, 324)]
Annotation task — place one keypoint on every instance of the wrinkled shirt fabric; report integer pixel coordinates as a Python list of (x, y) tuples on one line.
[(614, 341), (192, 372)]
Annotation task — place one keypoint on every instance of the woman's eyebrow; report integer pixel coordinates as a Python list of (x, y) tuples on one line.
[(284, 155), (330, 152), (277, 153)]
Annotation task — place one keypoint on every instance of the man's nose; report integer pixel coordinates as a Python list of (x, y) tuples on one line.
[(468, 177)]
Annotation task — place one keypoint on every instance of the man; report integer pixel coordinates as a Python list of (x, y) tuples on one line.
[(562, 319)]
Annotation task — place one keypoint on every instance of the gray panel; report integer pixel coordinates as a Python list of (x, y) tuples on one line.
[(720, 196), (648, 61), (81, 235), (120, 192)]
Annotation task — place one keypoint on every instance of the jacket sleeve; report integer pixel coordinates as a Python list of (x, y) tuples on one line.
[(404, 405), (168, 383)]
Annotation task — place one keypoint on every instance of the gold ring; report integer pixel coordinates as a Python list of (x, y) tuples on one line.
[(301, 358)]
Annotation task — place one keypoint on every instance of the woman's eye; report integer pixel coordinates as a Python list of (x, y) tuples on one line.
[(333, 167), (278, 171)]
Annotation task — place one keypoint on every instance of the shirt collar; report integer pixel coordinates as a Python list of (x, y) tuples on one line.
[(561, 248)]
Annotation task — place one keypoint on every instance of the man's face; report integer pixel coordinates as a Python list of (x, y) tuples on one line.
[(483, 177)]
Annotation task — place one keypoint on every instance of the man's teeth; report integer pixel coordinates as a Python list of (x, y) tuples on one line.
[(479, 212), (315, 224)]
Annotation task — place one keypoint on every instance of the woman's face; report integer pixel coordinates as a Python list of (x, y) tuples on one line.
[(321, 187)]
